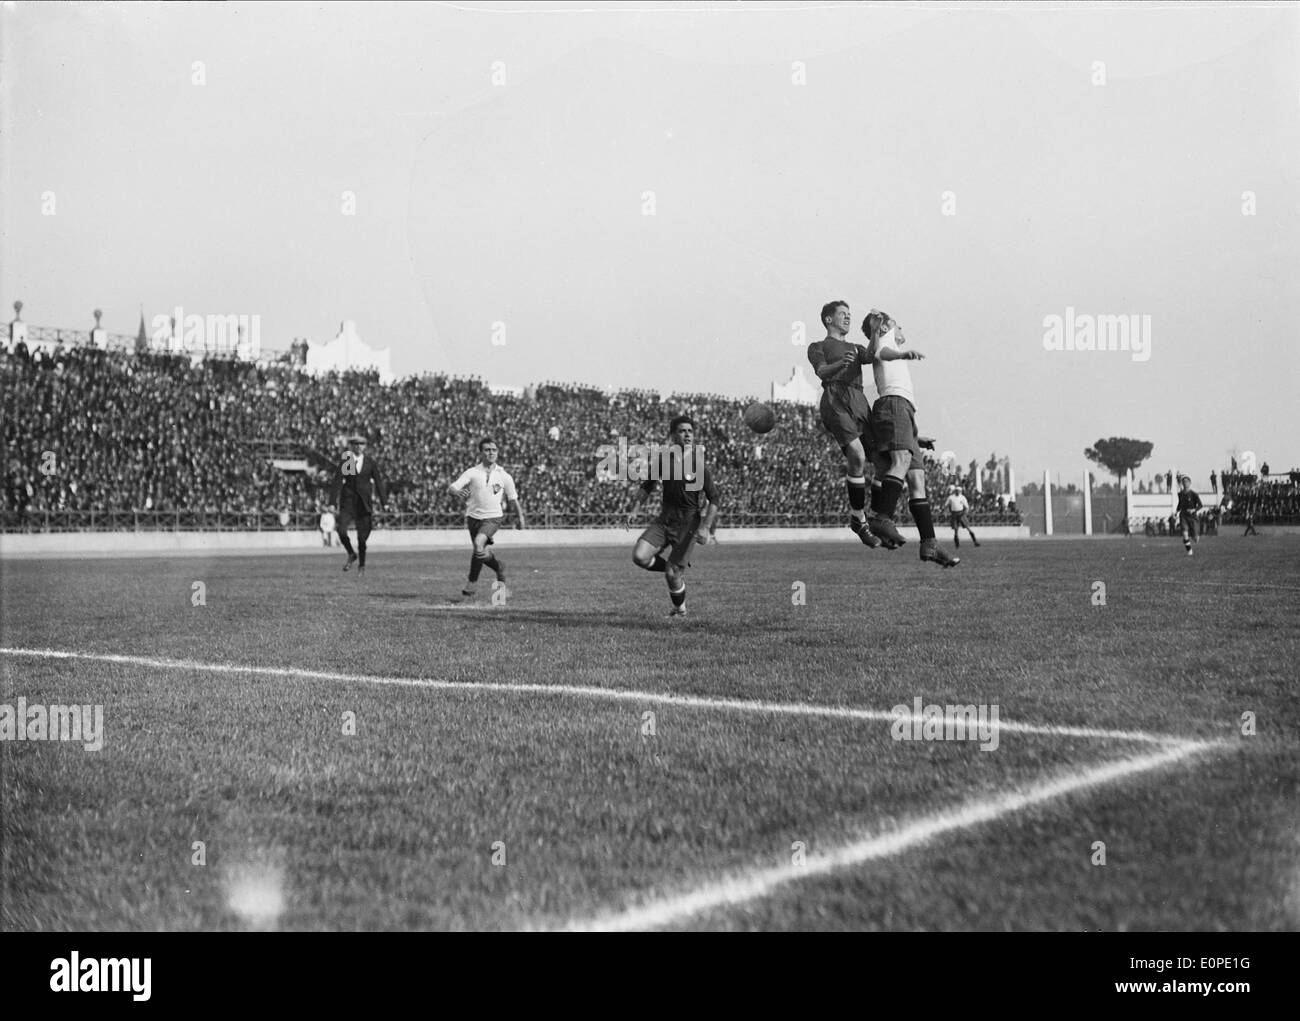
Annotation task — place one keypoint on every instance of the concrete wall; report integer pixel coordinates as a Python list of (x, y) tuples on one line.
[(206, 544)]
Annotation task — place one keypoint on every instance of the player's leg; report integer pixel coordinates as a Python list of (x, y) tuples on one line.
[(969, 530), (892, 458), (344, 523), (919, 504), (675, 572), (891, 468), (364, 524), (645, 554), (918, 501), (846, 416), (486, 531), (477, 556), (855, 463), (955, 521)]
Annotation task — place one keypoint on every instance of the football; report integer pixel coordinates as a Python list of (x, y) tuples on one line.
[(760, 418)]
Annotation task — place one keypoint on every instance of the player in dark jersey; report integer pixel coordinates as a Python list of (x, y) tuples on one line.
[(1189, 502), (845, 410), (690, 504)]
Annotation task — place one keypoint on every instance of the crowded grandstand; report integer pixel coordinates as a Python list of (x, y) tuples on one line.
[(101, 438)]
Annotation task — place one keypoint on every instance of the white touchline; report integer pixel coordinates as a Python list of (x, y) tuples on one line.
[(585, 691), (737, 889)]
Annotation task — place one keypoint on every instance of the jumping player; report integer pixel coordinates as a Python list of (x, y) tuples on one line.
[(898, 448), (958, 505), (845, 410), (1189, 502), (690, 505), (483, 486)]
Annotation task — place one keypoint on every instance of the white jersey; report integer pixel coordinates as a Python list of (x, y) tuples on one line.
[(957, 504), (893, 378), (487, 488)]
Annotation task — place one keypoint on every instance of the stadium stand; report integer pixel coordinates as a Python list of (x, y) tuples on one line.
[(1269, 500), (110, 439)]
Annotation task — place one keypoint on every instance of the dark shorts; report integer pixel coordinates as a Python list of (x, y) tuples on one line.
[(680, 537), (488, 526), (894, 422), (846, 414), (958, 520), (1187, 523)]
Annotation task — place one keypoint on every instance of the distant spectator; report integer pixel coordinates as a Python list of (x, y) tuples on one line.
[(327, 528), (1214, 481)]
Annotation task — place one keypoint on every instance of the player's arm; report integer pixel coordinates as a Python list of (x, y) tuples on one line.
[(710, 511), (892, 354), (639, 496), (829, 370), (457, 488), (513, 506)]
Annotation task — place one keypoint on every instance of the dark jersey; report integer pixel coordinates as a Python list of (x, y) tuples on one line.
[(1188, 502), (683, 505), (832, 351)]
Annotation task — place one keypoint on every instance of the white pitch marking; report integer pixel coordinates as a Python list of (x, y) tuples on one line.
[(742, 887), (610, 694)]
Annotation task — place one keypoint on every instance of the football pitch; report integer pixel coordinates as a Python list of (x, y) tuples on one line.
[(288, 746)]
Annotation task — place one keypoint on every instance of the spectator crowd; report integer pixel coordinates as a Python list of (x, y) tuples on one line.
[(109, 431), (1263, 499)]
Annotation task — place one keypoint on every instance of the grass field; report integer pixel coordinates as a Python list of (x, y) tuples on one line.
[(501, 774)]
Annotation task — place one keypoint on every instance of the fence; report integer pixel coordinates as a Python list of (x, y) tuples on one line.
[(1052, 511), (48, 338)]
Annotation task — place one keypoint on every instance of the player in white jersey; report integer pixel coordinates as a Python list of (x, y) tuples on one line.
[(897, 454), (485, 487), (957, 505)]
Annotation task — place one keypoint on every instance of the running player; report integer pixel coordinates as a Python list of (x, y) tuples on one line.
[(483, 486), (690, 505), (958, 505), (845, 410), (898, 448), (1189, 502)]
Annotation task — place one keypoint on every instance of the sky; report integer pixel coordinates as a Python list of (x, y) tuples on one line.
[(637, 195)]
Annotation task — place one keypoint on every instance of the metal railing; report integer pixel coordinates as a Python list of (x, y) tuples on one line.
[(125, 342)]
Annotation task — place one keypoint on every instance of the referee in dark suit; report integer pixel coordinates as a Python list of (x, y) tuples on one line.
[(358, 481)]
